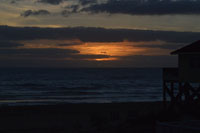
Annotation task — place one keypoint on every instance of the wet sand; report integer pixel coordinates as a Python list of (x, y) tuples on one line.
[(138, 117)]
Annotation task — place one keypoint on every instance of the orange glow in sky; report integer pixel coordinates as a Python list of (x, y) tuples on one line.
[(114, 50), (107, 59)]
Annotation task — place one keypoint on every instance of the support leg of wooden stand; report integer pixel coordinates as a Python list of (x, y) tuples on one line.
[(164, 94)]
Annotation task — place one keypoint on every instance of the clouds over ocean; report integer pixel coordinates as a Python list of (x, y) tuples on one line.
[(85, 45)]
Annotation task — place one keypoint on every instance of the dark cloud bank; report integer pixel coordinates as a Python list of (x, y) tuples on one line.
[(9, 44), (54, 2), (12, 56), (95, 34), (46, 53), (147, 7), (28, 13), (133, 7)]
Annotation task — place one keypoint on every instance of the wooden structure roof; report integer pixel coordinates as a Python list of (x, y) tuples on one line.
[(193, 48)]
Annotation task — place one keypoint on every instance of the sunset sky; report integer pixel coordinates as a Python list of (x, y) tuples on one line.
[(96, 33)]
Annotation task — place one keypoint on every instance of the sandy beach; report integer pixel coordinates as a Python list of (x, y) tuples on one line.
[(140, 117), (119, 117), (101, 118)]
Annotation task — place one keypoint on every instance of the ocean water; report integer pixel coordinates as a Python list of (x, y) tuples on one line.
[(30, 86)]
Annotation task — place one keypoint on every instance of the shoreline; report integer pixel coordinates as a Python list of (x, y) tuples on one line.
[(85, 106)]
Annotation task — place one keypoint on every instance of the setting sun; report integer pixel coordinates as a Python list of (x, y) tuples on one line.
[(113, 49)]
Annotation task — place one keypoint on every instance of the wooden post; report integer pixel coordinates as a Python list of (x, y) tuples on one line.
[(180, 92), (198, 96), (173, 100), (164, 94), (172, 91), (186, 90)]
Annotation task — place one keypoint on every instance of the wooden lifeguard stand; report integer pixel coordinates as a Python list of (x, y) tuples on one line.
[(182, 84)]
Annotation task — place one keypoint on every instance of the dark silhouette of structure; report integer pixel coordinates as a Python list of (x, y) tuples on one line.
[(182, 84)]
